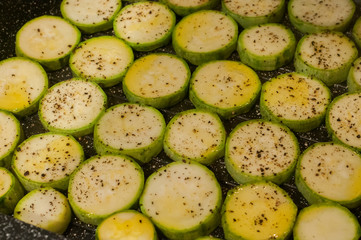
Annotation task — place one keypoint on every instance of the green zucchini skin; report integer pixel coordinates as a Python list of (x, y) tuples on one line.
[(199, 57), (186, 10), (105, 24), (356, 32), (51, 64), (11, 197), (306, 26), (266, 62), (248, 21), (353, 77), (328, 74)]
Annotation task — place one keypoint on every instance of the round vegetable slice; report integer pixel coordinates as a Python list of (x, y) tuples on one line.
[(45, 208), (10, 191), (356, 32), (259, 210), (204, 36), (325, 221), (310, 16), (186, 7), (11, 134), (327, 56), (72, 107), (145, 25), (330, 172), (354, 76), (126, 224), (228, 88), (47, 160), (48, 40), (253, 13), (91, 16), (159, 80), (261, 150), (132, 129), (23, 83), (296, 100), (196, 135), (192, 193), (103, 60), (113, 182), (342, 119), (266, 47)]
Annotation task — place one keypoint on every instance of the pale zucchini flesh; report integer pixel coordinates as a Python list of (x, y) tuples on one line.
[(225, 87), (183, 199), (23, 83), (159, 80), (10, 191), (145, 25), (103, 60), (91, 16), (45, 208), (113, 182), (48, 40), (47, 160), (330, 172), (261, 150), (259, 210)]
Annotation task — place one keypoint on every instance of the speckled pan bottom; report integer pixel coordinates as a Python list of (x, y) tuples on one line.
[(13, 14)]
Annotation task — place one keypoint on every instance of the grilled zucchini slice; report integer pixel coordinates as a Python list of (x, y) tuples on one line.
[(356, 32), (48, 40), (159, 80), (192, 193), (24, 82), (103, 185), (261, 150), (310, 16), (296, 100), (266, 47), (91, 16), (253, 13), (186, 7), (225, 87), (259, 210), (47, 160), (204, 36), (354, 76), (327, 56), (11, 191), (328, 171)]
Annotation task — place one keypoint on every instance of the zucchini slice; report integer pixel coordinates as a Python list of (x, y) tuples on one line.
[(24, 82), (326, 221), (329, 171), (227, 88), (47, 160), (128, 224), (259, 210), (195, 134), (132, 129), (103, 60), (10, 191), (354, 76), (309, 16), (186, 7), (261, 150), (343, 118), (159, 80), (327, 56), (207, 238), (91, 16), (266, 47), (145, 25), (72, 107), (183, 199), (251, 13), (11, 134), (113, 182), (45, 208), (48, 40), (296, 100), (204, 36), (356, 32)]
